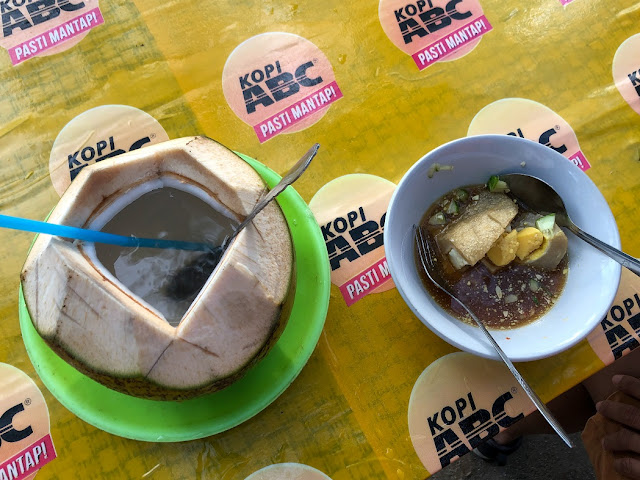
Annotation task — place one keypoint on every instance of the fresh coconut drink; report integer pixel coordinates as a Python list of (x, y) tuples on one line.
[(164, 208), (103, 309)]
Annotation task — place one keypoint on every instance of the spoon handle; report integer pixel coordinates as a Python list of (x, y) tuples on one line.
[(290, 177), (427, 258), (622, 258), (542, 408)]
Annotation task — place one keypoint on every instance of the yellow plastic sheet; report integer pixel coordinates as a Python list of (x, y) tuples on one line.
[(346, 414)]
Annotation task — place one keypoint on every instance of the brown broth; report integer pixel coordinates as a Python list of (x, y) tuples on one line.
[(501, 300)]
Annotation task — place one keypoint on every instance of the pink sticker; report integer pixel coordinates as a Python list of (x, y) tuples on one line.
[(524, 118), (433, 30), (37, 29), (25, 429), (53, 37), (453, 407), (297, 112), (351, 211), (565, 2), (106, 131), (580, 161), (29, 460), (279, 83), (366, 282), (619, 331), (453, 42), (626, 71)]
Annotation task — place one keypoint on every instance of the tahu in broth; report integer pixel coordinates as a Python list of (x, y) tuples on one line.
[(502, 298)]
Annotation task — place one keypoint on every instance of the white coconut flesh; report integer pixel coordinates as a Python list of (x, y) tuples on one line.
[(96, 323)]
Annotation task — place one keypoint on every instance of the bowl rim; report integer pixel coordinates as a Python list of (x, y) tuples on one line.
[(394, 257)]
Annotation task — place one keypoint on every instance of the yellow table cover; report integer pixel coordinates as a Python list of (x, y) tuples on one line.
[(392, 81)]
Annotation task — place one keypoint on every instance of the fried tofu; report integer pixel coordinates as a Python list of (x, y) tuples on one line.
[(468, 238)]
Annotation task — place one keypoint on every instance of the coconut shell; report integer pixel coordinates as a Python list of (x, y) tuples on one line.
[(102, 329)]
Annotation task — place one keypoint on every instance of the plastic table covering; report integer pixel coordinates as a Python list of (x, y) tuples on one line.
[(541, 68)]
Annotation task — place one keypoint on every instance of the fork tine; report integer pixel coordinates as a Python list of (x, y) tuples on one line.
[(425, 250), (427, 258), (431, 255), (420, 245)]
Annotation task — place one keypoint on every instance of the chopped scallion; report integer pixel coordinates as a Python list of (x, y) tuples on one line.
[(436, 167), (453, 208), (496, 185), (545, 224), (438, 219), (462, 194)]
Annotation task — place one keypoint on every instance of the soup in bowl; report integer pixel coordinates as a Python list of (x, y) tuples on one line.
[(585, 280)]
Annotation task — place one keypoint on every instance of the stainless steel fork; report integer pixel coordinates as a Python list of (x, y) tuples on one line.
[(428, 259)]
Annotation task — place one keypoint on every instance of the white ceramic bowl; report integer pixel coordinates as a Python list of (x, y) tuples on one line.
[(592, 280)]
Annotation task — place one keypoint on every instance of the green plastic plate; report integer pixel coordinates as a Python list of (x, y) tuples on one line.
[(163, 421)]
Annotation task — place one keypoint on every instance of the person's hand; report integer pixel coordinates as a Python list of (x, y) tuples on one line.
[(628, 438)]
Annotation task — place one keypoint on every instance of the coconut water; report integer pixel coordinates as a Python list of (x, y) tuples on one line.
[(169, 213)]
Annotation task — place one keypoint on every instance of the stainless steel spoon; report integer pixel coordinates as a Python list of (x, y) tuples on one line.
[(539, 196), (190, 278)]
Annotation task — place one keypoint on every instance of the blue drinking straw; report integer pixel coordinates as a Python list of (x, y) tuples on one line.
[(27, 225)]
